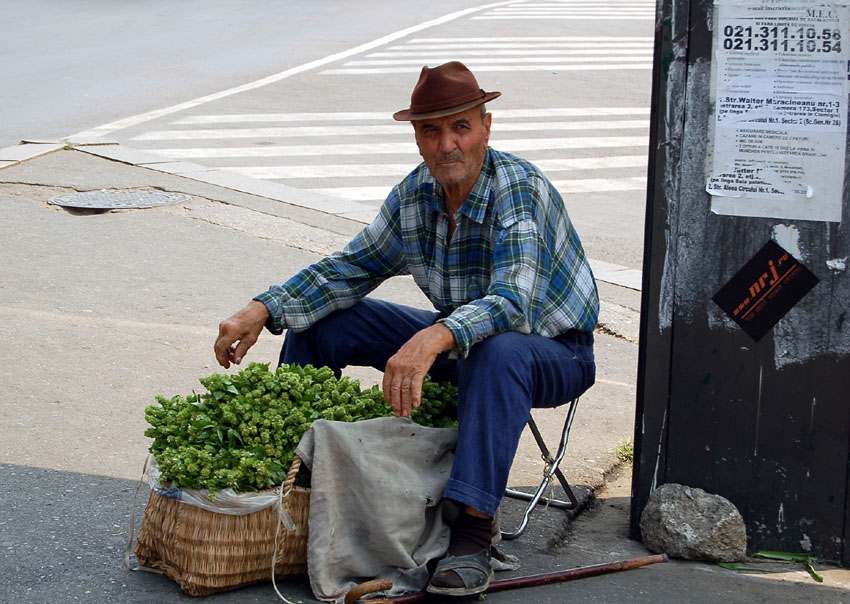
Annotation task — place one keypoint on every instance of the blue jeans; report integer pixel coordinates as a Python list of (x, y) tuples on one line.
[(499, 382)]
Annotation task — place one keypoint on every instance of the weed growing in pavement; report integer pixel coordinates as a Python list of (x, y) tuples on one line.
[(625, 452)]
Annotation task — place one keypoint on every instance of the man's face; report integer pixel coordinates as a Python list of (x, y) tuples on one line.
[(454, 146)]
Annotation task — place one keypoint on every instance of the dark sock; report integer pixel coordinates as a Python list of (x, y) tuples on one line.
[(470, 534)]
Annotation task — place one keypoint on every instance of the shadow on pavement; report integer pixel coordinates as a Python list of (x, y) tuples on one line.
[(64, 536)]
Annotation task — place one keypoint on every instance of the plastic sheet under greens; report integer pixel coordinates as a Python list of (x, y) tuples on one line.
[(118, 199), (223, 501)]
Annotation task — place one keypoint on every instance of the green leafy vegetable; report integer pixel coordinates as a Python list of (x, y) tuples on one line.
[(243, 431)]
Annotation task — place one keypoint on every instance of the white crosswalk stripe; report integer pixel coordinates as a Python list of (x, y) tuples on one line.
[(346, 167), (244, 118), (527, 39), (502, 56), (511, 145), (399, 170), (585, 185), (596, 185), (486, 68), (556, 45), (329, 149), (348, 130), (586, 14), (322, 171), (508, 54), (592, 163), (338, 154), (628, 55), (392, 172), (572, 10)]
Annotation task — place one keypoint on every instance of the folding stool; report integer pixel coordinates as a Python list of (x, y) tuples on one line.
[(550, 469)]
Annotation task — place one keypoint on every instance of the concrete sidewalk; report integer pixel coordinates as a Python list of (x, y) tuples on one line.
[(102, 311)]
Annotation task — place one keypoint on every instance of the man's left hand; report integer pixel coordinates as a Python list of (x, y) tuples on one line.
[(406, 370)]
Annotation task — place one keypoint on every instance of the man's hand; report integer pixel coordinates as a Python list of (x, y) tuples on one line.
[(406, 370), (238, 333)]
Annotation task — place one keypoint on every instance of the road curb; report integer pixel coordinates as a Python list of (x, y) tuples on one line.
[(359, 212)]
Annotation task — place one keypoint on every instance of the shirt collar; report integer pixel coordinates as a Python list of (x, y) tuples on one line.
[(478, 200)]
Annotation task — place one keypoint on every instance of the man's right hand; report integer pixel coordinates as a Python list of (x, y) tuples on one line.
[(238, 333), (406, 369)]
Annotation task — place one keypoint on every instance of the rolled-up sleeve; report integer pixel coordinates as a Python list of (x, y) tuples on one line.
[(339, 280)]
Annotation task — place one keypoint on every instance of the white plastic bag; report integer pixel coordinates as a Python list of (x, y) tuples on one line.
[(227, 501)]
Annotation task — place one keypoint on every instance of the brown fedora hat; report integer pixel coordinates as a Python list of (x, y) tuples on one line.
[(444, 90)]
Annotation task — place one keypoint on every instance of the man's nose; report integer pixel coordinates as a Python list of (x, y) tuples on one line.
[(448, 143)]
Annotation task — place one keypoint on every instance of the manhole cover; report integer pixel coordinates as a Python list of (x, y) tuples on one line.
[(112, 199)]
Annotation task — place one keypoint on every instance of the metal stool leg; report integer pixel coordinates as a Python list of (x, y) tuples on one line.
[(550, 470)]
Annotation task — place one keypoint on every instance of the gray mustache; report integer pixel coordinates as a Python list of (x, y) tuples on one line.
[(453, 156)]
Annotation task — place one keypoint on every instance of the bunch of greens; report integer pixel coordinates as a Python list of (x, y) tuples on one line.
[(243, 431)]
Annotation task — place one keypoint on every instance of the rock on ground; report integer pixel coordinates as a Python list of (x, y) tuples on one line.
[(689, 523)]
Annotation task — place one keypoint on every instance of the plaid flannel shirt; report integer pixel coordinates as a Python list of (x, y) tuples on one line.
[(514, 262)]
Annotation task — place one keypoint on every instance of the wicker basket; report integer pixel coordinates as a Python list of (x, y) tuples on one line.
[(206, 552)]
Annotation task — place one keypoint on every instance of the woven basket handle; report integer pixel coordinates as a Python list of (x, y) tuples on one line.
[(290, 476)]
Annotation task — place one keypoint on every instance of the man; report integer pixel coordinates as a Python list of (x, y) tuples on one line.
[(488, 240)]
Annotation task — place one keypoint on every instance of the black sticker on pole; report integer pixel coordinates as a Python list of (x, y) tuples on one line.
[(765, 288)]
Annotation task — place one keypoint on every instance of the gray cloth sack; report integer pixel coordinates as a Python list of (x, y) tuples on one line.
[(376, 507)]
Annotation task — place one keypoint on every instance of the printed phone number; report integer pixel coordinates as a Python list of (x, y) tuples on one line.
[(782, 39)]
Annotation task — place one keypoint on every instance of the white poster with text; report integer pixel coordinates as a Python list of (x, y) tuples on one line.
[(780, 84)]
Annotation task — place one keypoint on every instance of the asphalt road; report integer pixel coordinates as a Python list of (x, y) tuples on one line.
[(68, 66), (304, 96)]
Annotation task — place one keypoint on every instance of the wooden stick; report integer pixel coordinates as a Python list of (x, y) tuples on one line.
[(541, 579), (367, 588)]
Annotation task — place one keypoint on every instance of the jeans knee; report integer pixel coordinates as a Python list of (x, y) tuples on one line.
[(497, 369), (500, 354), (318, 345)]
